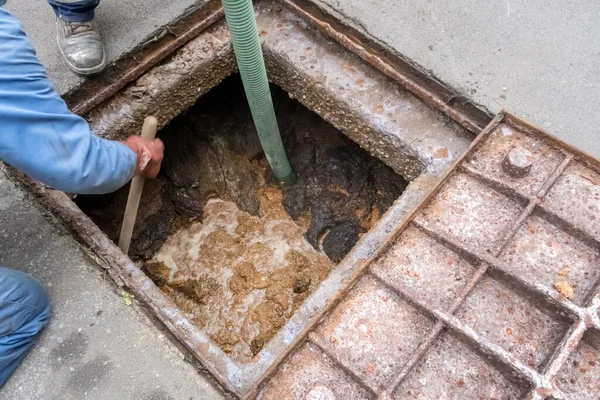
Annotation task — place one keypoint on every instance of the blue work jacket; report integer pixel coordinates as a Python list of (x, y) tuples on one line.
[(40, 136)]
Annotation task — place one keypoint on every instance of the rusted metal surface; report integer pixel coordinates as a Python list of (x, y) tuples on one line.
[(371, 109), (433, 275), (168, 89), (363, 332), (577, 189), (450, 367), (514, 323), (581, 373), (311, 374), (402, 71), (363, 267), (504, 271), (174, 85), (96, 90), (462, 212)]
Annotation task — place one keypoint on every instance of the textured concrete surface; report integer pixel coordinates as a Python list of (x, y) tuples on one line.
[(95, 347), (536, 58), (123, 24)]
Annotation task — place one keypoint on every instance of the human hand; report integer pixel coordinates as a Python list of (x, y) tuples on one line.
[(149, 155)]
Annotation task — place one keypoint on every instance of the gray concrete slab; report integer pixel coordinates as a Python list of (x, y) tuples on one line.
[(123, 24), (536, 58), (96, 346)]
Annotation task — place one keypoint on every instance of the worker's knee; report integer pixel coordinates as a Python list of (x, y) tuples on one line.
[(24, 305)]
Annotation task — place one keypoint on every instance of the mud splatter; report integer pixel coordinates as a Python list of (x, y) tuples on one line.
[(238, 276), (216, 233)]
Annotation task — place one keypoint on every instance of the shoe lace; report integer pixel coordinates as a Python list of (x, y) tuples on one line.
[(76, 28)]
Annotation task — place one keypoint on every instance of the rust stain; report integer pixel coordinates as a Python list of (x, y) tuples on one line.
[(128, 68), (441, 153), (429, 94), (349, 68)]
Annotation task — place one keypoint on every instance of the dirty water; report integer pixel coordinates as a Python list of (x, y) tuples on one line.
[(216, 233)]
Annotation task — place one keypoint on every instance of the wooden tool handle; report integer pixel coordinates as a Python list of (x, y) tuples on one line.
[(135, 191)]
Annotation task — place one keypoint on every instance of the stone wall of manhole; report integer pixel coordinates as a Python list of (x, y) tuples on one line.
[(236, 253), (490, 290)]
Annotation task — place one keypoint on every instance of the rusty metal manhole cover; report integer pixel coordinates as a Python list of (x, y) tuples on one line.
[(489, 290)]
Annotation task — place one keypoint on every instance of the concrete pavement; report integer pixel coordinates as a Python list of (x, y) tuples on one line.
[(536, 58), (96, 346), (123, 24)]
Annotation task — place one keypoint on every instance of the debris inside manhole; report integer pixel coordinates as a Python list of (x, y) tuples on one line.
[(565, 288), (215, 232)]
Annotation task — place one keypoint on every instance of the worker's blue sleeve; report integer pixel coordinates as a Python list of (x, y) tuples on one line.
[(40, 136)]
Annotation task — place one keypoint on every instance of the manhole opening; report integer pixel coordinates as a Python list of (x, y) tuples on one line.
[(237, 254)]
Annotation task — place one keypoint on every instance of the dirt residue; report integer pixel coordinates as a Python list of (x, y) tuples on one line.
[(342, 192), (239, 276), (218, 235)]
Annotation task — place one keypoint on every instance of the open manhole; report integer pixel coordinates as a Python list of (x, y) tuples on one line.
[(404, 264), (234, 266), (235, 252)]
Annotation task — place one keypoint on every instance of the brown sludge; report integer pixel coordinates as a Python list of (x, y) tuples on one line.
[(240, 277), (236, 253)]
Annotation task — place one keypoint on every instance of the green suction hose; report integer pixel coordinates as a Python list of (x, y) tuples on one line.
[(246, 45)]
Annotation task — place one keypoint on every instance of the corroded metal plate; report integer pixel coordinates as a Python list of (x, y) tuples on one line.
[(488, 290)]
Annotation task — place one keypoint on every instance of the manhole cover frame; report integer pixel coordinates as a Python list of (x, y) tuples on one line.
[(582, 319), (412, 80)]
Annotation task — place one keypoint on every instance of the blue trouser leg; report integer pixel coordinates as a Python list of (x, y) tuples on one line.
[(74, 10), (24, 311)]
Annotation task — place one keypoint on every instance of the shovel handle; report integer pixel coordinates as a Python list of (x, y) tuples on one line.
[(135, 191)]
